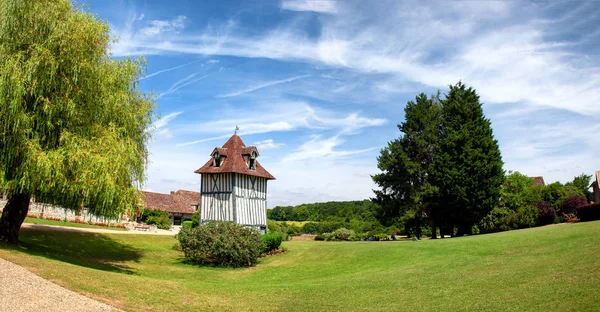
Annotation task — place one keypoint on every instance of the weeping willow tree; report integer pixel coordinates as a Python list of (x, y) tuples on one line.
[(73, 120)]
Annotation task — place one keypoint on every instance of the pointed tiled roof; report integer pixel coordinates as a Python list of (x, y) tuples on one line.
[(234, 150)]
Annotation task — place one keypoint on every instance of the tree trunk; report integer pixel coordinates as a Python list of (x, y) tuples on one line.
[(433, 230), (13, 215)]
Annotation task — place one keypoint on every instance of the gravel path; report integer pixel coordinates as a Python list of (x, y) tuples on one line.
[(21, 290), (90, 230)]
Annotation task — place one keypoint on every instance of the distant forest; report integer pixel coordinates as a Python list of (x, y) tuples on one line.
[(345, 211)]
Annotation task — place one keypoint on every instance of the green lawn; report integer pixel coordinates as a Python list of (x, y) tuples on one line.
[(553, 268), (70, 224)]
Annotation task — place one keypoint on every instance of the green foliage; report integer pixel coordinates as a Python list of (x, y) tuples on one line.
[(582, 183), (161, 219), (556, 193), (310, 228), (187, 224), (519, 190), (271, 242), (320, 237), (196, 219), (363, 210), (405, 163), (526, 217), (467, 170), (74, 122), (342, 234), (497, 220), (221, 243)]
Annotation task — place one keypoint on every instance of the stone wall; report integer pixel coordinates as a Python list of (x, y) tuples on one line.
[(56, 212)]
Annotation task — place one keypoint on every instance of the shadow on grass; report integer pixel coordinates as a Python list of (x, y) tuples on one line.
[(92, 250)]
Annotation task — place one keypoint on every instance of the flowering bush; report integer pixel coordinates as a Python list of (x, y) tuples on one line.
[(221, 243)]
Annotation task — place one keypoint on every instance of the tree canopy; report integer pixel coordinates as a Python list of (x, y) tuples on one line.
[(405, 162), (74, 126)]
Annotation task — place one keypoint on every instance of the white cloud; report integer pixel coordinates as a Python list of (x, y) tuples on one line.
[(318, 148), (163, 121), (165, 133), (268, 144), (263, 85), (281, 117), (321, 6), (430, 45), (160, 27), (177, 67)]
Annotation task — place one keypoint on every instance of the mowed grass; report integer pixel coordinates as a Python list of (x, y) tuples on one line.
[(70, 224), (552, 268)]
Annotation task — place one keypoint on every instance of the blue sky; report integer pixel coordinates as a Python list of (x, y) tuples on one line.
[(319, 86)]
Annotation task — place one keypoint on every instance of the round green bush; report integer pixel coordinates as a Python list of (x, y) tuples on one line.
[(272, 241), (187, 224), (221, 243)]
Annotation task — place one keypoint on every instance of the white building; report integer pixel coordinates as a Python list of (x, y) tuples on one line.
[(233, 186)]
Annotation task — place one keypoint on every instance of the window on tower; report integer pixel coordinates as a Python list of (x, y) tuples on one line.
[(217, 160)]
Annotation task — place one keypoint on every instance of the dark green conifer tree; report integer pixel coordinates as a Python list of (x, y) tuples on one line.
[(467, 170), (406, 161)]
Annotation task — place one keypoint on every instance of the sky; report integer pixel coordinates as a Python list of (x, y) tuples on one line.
[(320, 86)]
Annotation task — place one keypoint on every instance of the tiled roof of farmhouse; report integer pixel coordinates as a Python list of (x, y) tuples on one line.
[(176, 202), (539, 181), (234, 150)]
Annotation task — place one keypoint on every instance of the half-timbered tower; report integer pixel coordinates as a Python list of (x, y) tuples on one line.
[(233, 185)]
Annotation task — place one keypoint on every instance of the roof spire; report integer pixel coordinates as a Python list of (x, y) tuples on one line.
[(236, 130)]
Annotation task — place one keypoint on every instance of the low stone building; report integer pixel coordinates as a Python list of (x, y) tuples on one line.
[(180, 204)]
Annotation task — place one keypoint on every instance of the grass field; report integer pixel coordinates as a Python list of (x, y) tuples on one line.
[(552, 268), (296, 223), (70, 224)]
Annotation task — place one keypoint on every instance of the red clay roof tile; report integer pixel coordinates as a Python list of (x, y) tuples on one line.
[(234, 149)]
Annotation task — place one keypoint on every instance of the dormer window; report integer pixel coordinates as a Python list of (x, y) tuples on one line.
[(252, 161), (217, 160)]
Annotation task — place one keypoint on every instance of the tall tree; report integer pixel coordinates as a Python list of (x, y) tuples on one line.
[(74, 124), (582, 182), (405, 163), (468, 167)]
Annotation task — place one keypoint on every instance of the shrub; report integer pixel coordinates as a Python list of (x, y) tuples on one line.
[(187, 224), (271, 241), (342, 234), (526, 217), (570, 205), (221, 243), (547, 214), (589, 212), (161, 219), (161, 222), (196, 219), (310, 228), (320, 237), (499, 219)]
